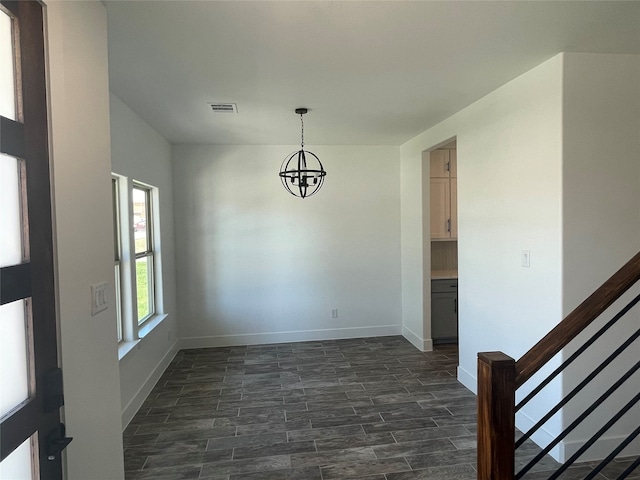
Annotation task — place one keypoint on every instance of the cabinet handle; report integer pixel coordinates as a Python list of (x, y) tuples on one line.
[(449, 225), (455, 305)]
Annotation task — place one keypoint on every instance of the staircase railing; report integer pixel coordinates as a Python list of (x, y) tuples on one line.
[(499, 376)]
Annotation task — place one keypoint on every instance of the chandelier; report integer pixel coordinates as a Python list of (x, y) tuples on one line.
[(301, 172)]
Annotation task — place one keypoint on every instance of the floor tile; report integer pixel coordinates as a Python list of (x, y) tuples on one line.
[(352, 441), (355, 469), (396, 425), (414, 448), (322, 433), (287, 448), (248, 465), (311, 473), (442, 459), (179, 472), (164, 460), (186, 446), (347, 409), (246, 441), (357, 454), (430, 433), (455, 472)]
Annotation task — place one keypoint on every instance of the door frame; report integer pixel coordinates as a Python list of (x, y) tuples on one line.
[(38, 417)]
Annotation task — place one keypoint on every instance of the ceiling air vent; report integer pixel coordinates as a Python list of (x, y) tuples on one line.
[(224, 107)]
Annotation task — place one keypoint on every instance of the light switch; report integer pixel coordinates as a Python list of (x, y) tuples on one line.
[(98, 298), (526, 258)]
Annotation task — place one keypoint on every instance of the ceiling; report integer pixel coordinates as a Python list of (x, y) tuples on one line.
[(370, 72)]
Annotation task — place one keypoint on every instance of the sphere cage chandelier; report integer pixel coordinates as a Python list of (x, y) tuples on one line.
[(300, 178)]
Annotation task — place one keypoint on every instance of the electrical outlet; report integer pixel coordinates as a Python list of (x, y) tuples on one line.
[(334, 313)]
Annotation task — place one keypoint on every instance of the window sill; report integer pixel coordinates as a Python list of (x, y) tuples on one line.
[(148, 326), (125, 348)]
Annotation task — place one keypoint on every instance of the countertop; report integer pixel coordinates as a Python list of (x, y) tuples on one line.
[(443, 274)]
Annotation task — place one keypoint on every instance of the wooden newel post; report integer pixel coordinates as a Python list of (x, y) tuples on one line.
[(496, 416)]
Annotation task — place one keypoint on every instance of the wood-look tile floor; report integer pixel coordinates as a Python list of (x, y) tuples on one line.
[(367, 408)]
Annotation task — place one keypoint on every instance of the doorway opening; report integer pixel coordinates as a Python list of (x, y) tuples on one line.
[(443, 242)]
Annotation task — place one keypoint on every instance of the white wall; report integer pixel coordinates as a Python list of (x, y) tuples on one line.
[(509, 149), (414, 262), (509, 199), (549, 163), (139, 153), (601, 221), (259, 265), (79, 106)]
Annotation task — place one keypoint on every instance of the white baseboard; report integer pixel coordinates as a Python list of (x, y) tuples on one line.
[(541, 437), (565, 449), (282, 337), (468, 380), (143, 392), (599, 450), (424, 345), (523, 421)]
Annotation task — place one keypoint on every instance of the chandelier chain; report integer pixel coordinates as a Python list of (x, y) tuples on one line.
[(302, 130)]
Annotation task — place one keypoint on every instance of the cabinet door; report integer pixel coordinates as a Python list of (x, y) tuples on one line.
[(453, 163), (440, 207), (439, 164), (444, 316), (454, 207)]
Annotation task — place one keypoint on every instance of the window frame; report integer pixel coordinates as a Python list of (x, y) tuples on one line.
[(149, 253), (130, 329), (117, 253)]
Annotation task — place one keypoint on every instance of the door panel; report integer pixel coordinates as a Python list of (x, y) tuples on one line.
[(11, 239), (444, 325), (27, 294), (453, 163), (14, 358), (18, 464), (454, 207), (440, 208), (439, 160)]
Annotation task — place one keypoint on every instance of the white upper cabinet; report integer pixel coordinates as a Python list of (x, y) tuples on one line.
[(443, 194)]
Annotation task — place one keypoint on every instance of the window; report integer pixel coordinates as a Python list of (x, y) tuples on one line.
[(143, 236), (116, 254), (136, 258)]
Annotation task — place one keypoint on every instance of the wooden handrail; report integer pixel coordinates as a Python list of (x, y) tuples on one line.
[(578, 320)]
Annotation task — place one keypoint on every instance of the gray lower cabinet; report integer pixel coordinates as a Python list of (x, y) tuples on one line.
[(444, 311)]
